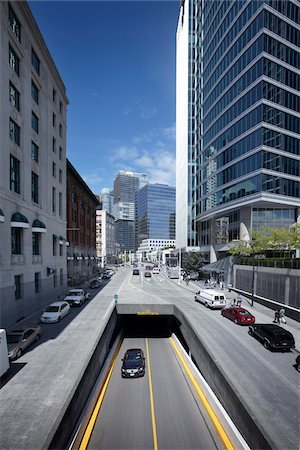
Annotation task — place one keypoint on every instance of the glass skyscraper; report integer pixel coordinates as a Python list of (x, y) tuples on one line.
[(242, 124), (154, 213)]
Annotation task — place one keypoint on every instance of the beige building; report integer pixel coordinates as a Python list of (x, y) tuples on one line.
[(32, 170), (105, 238)]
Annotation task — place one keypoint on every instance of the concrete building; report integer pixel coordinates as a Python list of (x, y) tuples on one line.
[(81, 228), (33, 269), (126, 184), (105, 238), (154, 249), (238, 125), (155, 207)]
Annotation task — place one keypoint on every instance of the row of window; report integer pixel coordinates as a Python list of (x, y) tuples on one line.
[(287, 8), (281, 28), (15, 185), (281, 51), (19, 286), (17, 244), (222, 42), (263, 89)]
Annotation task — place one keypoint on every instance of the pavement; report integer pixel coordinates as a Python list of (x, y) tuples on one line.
[(262, 313)]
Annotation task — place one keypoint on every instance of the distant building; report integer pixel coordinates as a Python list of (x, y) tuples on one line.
[(107, 200), (33, 270), (81, 228), (126, 184), (105, 238), (154, 249), (155, 206)]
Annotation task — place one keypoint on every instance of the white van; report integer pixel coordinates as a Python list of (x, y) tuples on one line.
[(211, 299), (4, 361)]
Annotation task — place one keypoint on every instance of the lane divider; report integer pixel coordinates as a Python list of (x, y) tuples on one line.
[(155, 444), (89, 429), (215, 421)]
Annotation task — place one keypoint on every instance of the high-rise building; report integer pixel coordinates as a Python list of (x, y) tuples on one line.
[(33, 267), (105, 238), (155, 206), (126, 184), (238, 124), (107, 200)]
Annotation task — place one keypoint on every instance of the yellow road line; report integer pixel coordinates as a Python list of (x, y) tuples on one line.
[(89, 429), (155, 445), (219, 428)]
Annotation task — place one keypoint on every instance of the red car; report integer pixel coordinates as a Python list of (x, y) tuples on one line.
[(239, 315)]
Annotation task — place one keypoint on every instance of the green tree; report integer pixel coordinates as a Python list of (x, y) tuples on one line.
[(192, 261)]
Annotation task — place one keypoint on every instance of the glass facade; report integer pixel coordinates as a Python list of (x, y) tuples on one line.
[(155, 207), (243, 115)]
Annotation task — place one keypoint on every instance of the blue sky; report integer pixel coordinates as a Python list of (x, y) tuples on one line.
[(117, 60)]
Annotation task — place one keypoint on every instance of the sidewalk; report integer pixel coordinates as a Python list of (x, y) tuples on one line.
[(261, 312)]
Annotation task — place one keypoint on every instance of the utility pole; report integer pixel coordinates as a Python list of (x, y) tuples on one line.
[(179, 268)]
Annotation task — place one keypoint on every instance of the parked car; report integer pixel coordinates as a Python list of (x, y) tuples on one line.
[(155, 270), (95, 284), (135, 272), (133, 363), (106, 275), (18, 340), (211, 299), (272, 336), (147, 274), (238, 315), (76, 297), (55, 312)]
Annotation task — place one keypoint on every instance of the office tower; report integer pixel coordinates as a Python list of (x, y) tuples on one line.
[(107, 200), (126, 184), (238, 120), (33, 268), (155, 206)]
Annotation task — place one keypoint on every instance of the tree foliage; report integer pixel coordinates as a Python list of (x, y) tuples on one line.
[(192, 261), (270, 239)]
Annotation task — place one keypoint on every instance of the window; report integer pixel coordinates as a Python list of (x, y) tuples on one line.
[(34, 122), (55, 278), (61, 248), (14, 60), (34, 152), (60, 153), (53, 200), (60, 204), (14, 131), (36, 243), (18, 279), (60, 107), (14, 174), (37, 282), (35, 61), (54, 169), (54, 120), (34, 187), (14, 96), (54, 95), (60, 176), (61, 276), (54, 244), (34, 92), (14, 23), (60, 130), (16, 241), (54, 144)]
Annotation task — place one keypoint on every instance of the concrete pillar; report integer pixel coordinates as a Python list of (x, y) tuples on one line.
[(244, 232), (245, 223), (287, 291)]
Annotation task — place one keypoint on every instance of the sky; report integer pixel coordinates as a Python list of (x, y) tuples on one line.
[(117, 61)]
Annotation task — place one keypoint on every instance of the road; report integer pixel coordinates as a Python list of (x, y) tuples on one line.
[(125, 418)]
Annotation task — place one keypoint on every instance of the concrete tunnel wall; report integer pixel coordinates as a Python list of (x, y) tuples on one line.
[(209, 367)]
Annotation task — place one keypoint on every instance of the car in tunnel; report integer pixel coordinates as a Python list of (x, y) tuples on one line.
[(238, 315), (133, 363)]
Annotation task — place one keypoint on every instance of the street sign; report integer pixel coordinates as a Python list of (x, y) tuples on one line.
[(116, 298)]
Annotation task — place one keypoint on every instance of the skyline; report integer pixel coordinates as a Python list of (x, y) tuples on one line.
[(127, 97)]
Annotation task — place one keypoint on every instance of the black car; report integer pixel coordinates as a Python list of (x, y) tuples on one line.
[(272, 336), (133, 363), (135, 272), (95, 284), (147, 274)]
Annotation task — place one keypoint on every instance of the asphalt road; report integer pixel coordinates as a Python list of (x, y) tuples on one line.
[(266, 380), (125, 418)]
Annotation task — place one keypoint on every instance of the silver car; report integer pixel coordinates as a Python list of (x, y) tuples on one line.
[(55, 312), (18, 340)]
